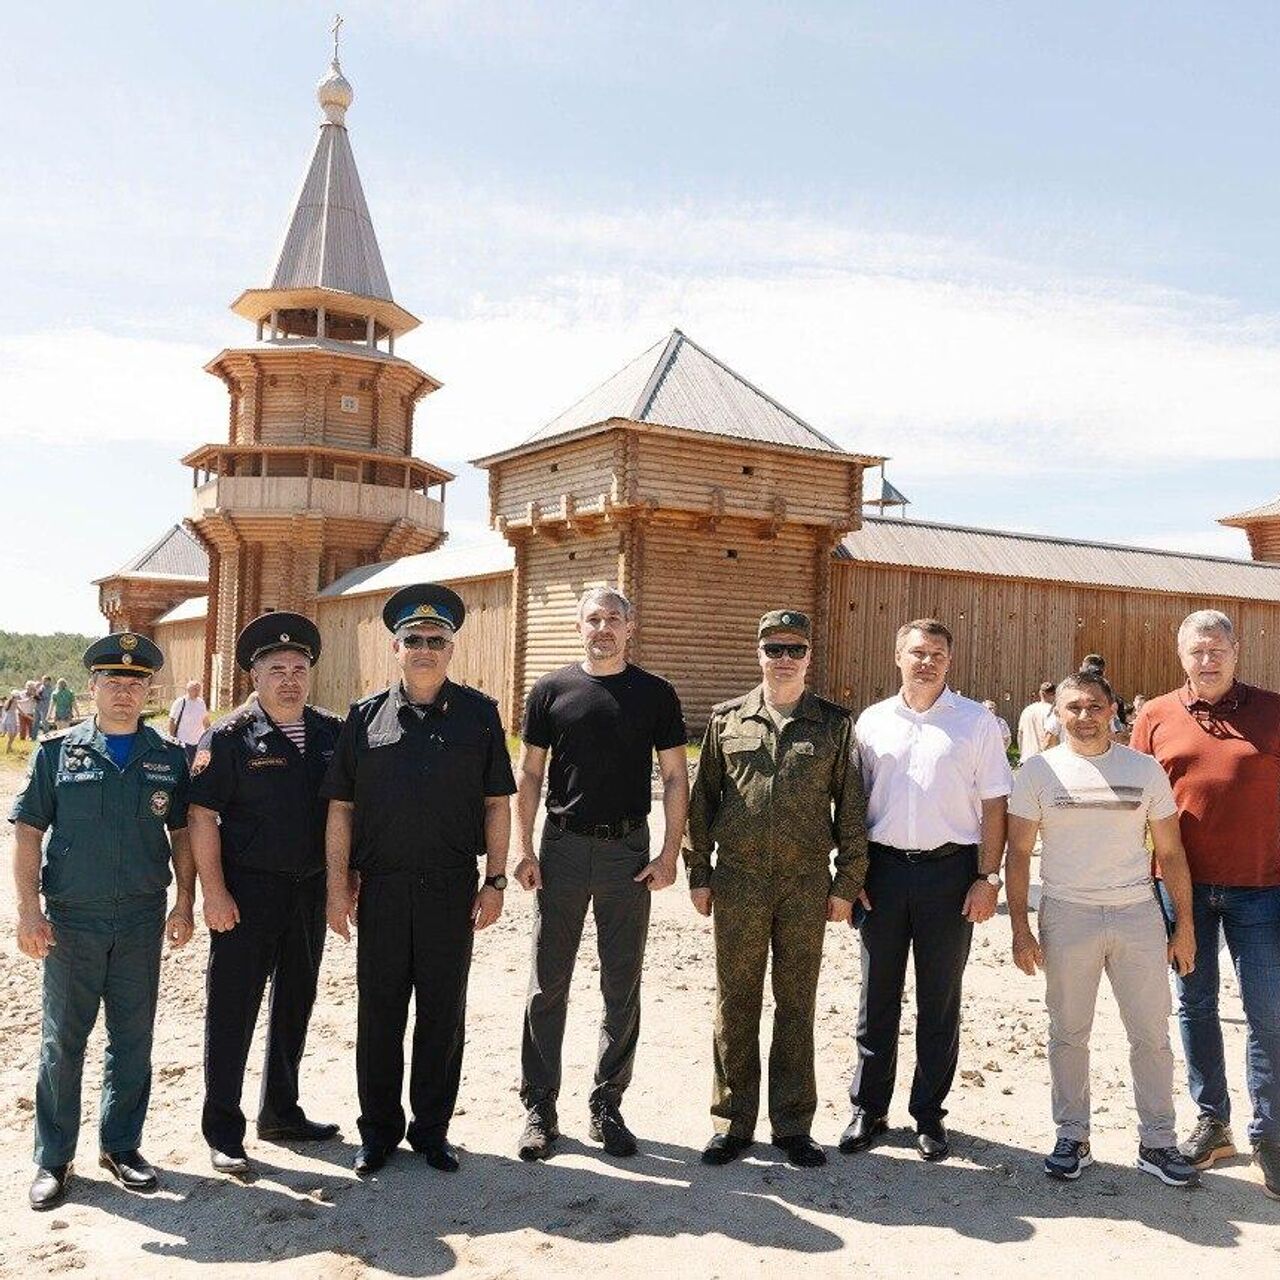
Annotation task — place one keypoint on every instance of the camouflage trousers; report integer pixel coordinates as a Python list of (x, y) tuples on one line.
[(757, 915)]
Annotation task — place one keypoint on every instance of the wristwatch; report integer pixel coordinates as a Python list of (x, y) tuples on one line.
[(495, 882), (993, 879)]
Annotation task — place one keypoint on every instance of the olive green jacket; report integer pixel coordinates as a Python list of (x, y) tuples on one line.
[(778, 803)]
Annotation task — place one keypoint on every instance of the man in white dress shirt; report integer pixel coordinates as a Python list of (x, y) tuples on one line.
[(937, 784)]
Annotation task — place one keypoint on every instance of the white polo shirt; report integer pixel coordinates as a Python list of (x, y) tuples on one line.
[(926, 773)]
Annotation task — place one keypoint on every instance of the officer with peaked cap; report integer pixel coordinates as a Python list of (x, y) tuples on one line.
[(257, 832), (419, 789), (107, 799)]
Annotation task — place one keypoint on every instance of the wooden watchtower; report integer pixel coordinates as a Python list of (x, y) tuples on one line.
[(316, 476), (1262, 526), (698, 495)]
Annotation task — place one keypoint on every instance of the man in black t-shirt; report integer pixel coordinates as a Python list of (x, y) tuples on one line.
[(601, 720)]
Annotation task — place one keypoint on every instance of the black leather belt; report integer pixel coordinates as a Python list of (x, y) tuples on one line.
[(923, 855), (597, 830)]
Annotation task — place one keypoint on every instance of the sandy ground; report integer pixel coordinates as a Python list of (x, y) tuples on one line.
[(988, 1210)]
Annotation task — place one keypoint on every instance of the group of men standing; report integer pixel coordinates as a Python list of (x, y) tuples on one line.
[(293, 817)]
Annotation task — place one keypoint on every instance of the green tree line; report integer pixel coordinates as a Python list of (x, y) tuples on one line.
[(26, 657)]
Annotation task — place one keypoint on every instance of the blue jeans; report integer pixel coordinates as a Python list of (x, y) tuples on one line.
[(1250, 919)]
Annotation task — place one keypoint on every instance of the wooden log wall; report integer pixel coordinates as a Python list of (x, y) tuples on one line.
[(356, 656), (687, 472), (1012, 634), (699, 607), (584, 469), (182, 644)]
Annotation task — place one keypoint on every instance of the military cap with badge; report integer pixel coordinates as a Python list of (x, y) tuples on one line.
[(422, 603), (273, 632), (124, 653)]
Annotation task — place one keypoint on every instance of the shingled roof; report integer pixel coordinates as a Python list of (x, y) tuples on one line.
[(175, 554), (676, 383)]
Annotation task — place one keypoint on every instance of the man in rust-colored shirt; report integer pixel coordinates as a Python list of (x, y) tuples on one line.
[(1219, 741)]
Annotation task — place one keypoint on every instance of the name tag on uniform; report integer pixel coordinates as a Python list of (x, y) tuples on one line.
[(160, 771), (802, 748), (92, 775), (265, 762)]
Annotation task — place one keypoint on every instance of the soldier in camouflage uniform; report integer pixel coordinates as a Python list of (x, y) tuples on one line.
[(778, 787)]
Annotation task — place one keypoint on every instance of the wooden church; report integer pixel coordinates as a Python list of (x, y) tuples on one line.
[(676, 479)]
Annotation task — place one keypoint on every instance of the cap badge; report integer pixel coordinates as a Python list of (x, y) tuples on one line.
[(284, 635), (128, 642), (126, 659)]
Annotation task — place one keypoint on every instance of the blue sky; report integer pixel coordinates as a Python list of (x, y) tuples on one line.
[(1031, 251)]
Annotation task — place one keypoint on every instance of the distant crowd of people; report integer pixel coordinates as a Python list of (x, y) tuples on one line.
[(39, 705)]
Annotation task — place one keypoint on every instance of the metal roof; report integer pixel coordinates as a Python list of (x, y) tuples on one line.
[(175, 554), (330, 242), (188, 611), (675, 383), (1242, 520), (481, 558), (920, 544)]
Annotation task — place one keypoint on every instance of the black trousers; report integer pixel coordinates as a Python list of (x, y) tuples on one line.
[(915, 907), (280, 938), (414, 938)]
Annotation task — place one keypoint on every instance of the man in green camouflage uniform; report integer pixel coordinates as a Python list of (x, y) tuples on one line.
[(778, 787)]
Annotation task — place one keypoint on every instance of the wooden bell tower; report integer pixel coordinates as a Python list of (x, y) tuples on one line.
[(316, 475)]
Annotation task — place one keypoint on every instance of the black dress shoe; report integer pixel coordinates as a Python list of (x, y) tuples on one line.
[(303, 1130), (369, 1159), (50, 1186), (933, 1143), (439, 1154), (862, 1131), (229, 1160), (725, 1147), (801, 1150), (130, 1169)]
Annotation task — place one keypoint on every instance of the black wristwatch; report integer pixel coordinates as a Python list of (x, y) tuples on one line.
[(495, 882)]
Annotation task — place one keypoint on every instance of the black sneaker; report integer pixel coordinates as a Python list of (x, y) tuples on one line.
[(1067, 1159), (608, 1127), (1169, 1165), (540, 1132), (1266, 1155), (1209, 1142)]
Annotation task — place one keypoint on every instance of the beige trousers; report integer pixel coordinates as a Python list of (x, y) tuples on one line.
[(1129, 943)]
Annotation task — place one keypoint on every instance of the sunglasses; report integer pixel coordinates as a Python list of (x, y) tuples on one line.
[(796, 651), (434, 643)]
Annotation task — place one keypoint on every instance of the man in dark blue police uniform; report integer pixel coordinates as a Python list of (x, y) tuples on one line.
[(419, 788), (257, 832), (99, 799)]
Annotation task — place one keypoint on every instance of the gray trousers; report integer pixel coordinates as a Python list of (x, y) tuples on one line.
[(578, 871), (1130, 944)]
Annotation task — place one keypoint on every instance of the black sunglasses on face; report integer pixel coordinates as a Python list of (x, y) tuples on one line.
[(434, 643), (796, 651)]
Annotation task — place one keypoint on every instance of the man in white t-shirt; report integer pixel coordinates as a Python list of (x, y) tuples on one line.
[(188, 718), (1092, 801), (1033, 732)]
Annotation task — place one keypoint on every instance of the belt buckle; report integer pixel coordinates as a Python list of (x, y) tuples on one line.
[(603, 831)]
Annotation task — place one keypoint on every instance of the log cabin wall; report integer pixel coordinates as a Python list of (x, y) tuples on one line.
[(583, 469), (356, 657), (1011, 634), (182, 644), (700, 601)]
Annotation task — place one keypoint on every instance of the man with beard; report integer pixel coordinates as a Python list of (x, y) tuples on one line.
[(600, 721), (419, 789), (257, 832)]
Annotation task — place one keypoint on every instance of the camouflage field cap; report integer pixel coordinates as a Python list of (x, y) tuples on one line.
[(785, 620)]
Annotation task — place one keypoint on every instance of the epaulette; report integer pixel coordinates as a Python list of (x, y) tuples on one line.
[(235, 719), (371, 698), (325, 714), (831, 705), (730, 704), (54, 736), (476, 693)]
